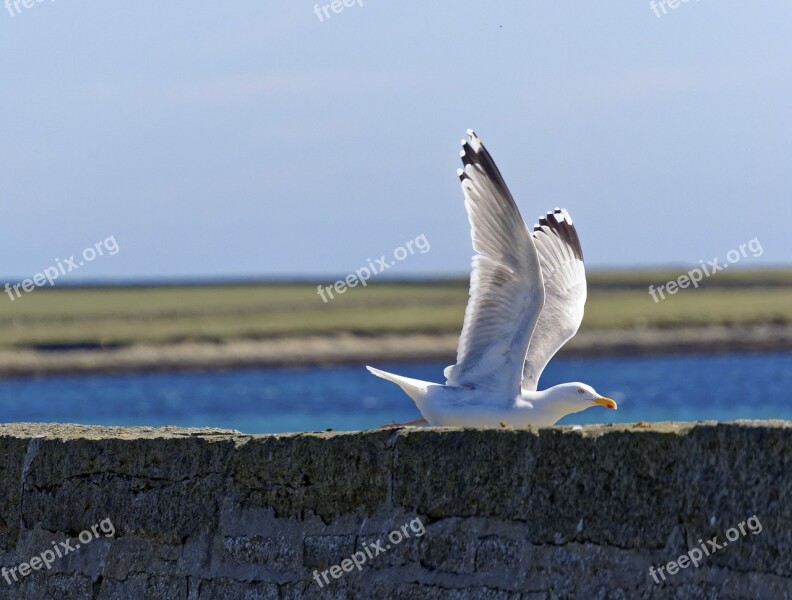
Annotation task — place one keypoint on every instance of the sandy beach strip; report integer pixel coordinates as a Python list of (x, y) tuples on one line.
[(356, 349)]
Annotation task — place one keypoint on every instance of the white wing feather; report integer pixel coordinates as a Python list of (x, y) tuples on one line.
[(506, 290), (564, 278)]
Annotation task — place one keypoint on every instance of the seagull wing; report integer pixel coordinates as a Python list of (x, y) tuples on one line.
[(565, 292), (506, 290)]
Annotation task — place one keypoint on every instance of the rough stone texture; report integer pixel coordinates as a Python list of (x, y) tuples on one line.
[(505, 514)]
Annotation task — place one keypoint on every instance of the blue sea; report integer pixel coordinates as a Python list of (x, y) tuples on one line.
[(678, 388)]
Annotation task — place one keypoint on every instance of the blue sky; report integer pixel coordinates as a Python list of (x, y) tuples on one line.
[(250, 139)]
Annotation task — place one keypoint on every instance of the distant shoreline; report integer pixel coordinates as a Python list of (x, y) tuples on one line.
[(350, 349), (602, 278)]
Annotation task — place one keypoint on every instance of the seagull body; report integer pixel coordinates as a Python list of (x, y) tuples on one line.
[(527, 294)]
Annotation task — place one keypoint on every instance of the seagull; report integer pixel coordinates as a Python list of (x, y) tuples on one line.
[(527, 294)]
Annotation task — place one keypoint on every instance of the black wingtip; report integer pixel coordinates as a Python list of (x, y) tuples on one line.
[(474, 153), (560, 223), (468, 155)]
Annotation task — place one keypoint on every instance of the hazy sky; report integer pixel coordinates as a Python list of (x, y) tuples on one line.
[(252, 139)]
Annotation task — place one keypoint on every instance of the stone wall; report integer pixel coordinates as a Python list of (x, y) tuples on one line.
[(500, 514)]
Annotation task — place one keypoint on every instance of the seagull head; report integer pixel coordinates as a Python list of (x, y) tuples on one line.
[(575, 397)]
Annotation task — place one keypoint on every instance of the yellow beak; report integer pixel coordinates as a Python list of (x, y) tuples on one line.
[(606, 402)]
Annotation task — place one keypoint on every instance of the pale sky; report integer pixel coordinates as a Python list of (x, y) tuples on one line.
[(251, 139)]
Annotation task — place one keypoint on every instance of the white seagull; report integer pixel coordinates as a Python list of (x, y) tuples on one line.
[(527, 293)]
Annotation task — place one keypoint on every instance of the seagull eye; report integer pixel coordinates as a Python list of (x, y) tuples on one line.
[(581, 391)]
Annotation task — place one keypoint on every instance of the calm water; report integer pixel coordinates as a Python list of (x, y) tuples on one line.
[(685, 388)]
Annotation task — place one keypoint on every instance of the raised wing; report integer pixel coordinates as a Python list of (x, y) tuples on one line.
[(564, 278), (506, 291)]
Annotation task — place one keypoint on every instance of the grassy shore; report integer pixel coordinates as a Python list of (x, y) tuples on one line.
[(124, 316), (71, 330)]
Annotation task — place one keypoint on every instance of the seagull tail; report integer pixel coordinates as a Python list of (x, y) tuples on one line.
[(414, 388)]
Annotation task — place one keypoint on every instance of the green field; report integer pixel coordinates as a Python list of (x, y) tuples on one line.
[(168, 314)]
